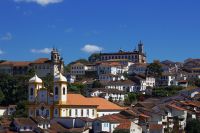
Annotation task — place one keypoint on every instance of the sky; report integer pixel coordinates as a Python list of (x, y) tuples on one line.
[(169, 29)]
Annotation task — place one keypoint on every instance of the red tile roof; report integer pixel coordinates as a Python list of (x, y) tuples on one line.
[(101, 103), (124, 125), (155, 126)]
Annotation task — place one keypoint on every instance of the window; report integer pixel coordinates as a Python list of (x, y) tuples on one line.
[(37, 112), (56, 91), (47, 113), (56, 111), (76, 112), (63, 90), (31, 92), (93, 112), (70, 112), (87, 112), (81, 112)]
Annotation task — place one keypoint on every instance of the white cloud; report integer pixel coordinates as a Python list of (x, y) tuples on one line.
[(6, 37), (41, 2), (88, 48), (42, 51), (1, 52)]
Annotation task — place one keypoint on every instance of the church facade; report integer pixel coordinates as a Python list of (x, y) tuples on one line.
[(61, 104)]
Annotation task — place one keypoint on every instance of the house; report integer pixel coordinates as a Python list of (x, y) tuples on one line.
[(14, 67), (110, 77), (167, 79), (11, 109), (24, 124), (41, 122), (109, 94), (3, 111), (129, 127), (75, 123), (156, 128), (137, 68), (78, 69), (107, 123), (122, 85)]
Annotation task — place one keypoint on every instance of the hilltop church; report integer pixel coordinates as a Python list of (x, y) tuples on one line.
[(61, 104)]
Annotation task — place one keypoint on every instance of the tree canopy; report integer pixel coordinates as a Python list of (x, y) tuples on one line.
[(154, 69), (193, 126)]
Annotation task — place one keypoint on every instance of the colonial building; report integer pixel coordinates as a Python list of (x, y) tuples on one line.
[(137, 56), (42, 66), (61, 104)]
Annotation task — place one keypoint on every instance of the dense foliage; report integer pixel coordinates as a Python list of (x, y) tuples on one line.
[(166, 91), (130, 98), (193, 126), (154, 69), (76, 88)]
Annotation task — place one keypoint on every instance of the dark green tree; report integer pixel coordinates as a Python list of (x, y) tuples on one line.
[(193, 126), (97, 84), (154, 69), (94, 57), (130, 98), (48, 82)]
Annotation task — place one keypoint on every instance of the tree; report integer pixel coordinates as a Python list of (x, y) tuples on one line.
[(121, 131), (97, 84), (94, 57), (21, 110), (48, 82), (192, 126), (130, 98), (154, 69), (2, 96)]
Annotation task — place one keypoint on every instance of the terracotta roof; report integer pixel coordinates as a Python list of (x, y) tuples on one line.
[(40, 61), (193, 103), (78, 99), (155, 126), (114, 118), (124, 125), (24, 121), (103, 104), (175, 107), (143, 115), (15, 63)]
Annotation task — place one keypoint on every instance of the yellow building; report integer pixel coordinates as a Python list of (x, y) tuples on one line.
[(62, 104)]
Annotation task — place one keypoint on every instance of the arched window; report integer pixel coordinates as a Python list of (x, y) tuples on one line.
[(56, 91), (31, 92), (63, 90)]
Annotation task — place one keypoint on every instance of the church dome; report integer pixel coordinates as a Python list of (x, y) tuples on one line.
[(35, 79), (60, 78)]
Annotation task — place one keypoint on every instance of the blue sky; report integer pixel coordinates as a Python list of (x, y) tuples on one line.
[(169, 29)]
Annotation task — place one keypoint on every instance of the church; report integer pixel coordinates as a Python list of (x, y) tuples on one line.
[(62, 104)]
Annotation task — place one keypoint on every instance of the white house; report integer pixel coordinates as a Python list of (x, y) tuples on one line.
[(122, 85), (78, 69), (108, 94), (138, 68)]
